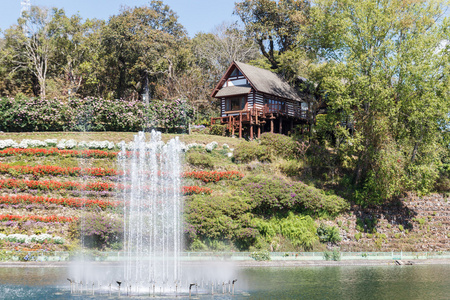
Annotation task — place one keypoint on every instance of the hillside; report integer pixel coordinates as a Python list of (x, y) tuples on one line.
[(237, 198)]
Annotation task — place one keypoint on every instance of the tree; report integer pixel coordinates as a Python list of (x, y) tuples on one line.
[(274, 25), (30, 44), (385, 78), (140, 44)]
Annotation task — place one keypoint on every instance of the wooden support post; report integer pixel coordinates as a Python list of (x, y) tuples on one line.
[(240, 125), (259, 131), (229, 122), (271, 125), (251, 127), (232, 126), (292, 125), (281, 125), (212, 120)]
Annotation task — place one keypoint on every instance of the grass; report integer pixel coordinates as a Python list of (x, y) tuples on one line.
[(116, 137)]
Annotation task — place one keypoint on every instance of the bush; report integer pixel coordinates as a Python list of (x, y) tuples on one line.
[(328, 234), (200, 160), (291, 167), (248, 151), (299, 230), (271, 195), (100, 231), (222, 218), (91, 114), (281, 145), (260, 255), (217, 129), (335, 255)]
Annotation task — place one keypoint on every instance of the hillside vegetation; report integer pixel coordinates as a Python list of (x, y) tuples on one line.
[(263, 195)]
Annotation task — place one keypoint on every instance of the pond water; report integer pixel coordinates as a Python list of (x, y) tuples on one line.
[(335, 282)]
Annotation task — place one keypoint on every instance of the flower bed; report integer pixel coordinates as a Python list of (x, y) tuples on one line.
[(214, 176), (55, 170), (44, 219), (27, 239), (55, 151), (190, 190), (69, 202), (52, 185)]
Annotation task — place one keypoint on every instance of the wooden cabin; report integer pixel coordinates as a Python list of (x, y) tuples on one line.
[(255, 100)]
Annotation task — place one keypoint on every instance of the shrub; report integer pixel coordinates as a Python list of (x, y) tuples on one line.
[(271, 195), (358, 236), (248, 151), (217, 129), (200, 160), (260, 255), (281, 145), (291, 167), (335, 255), (300, 230), (328, 234), (222, 218), (100, 231)]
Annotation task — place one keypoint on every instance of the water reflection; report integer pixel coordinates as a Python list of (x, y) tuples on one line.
[(339, 282)]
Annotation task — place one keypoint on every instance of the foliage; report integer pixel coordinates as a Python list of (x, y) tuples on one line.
[(248, 151), (213, 176), (260, 255), (274, 25), (328, 234), (91, 114), (281, 145), (100, 231), (217, 129), (386, 88), (74, 202), (335, 255), (220, 218), (199, 159), (300, 230), (272, 195)]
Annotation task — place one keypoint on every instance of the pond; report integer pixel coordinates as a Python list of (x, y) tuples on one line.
[(331, 282)]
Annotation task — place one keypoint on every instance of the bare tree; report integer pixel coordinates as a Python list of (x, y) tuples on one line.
[(29, 45), (225, 44)]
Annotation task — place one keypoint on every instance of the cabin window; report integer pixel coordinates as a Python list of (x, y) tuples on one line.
[(236, 73), (235, 103)]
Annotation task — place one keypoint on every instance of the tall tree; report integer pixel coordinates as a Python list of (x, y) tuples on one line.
[(385, 76), (140, 44), (274, 25), (29, 45)]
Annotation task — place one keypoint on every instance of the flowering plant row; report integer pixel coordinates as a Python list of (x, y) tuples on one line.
[(190, 190), (50, 185), (205, 176), (214, 176), (70, 202), (55, 170), (45, 219), (61, 144), (24, 238), (55, 152)]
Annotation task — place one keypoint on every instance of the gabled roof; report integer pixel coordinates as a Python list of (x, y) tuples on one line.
[(261, 80)]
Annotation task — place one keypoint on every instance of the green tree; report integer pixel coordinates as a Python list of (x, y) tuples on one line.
[(140, 44), (385, 80), (274, 25)]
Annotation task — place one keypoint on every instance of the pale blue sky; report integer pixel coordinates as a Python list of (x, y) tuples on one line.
[(194, 15)]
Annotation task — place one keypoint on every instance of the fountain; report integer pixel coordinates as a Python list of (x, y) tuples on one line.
[(152, 210)]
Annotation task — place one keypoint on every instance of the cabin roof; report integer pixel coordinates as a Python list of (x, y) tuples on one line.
[(263, 81), (234, 90)]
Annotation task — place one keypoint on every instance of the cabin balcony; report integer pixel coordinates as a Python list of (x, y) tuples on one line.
[(270, 118)]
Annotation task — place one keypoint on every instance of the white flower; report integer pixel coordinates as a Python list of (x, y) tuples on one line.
[(211, 146)]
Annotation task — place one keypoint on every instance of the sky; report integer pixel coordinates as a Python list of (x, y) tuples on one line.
[(195, 15)]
